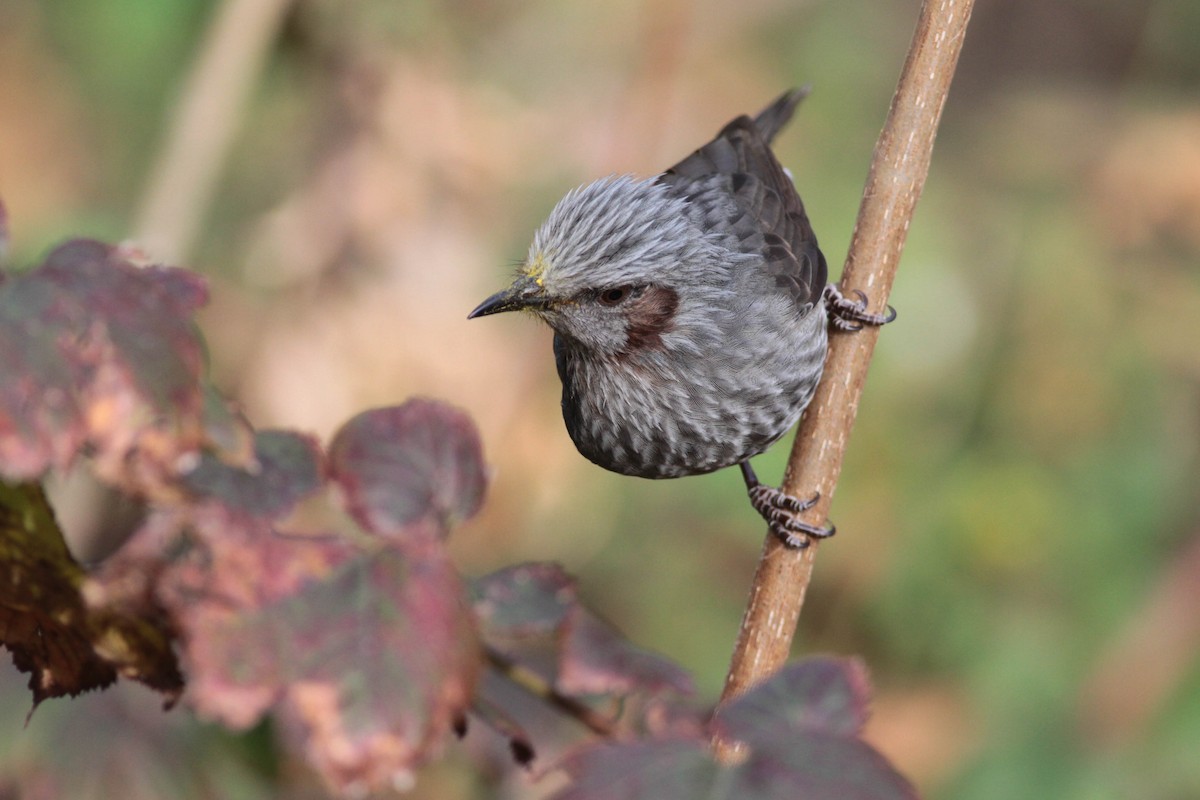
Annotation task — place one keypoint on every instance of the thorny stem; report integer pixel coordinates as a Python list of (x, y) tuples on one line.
[(897, 175)]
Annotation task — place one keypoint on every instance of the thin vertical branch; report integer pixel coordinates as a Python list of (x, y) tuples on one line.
[(202, 128), (897, 175)]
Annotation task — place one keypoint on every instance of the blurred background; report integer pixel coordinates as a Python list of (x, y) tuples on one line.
[(1019, 556)]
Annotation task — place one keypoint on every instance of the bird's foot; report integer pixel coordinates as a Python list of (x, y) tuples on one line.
[(781, 511), (852, 315)]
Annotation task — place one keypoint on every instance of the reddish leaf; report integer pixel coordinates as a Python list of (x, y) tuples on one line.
[(657, 770), (802, 748), (812, 765), (285, 469), (523, 600), (533, 624), (373, 662), (531, 610), (398, 466), (205, 562), (96, 350), (237, 652), (598, 660), (824, 695), (203, 569), (809, 766), (65, 646)]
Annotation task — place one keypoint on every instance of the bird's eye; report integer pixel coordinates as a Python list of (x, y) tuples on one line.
[(615, 295)]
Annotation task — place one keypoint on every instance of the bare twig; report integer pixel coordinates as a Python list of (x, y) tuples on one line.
[(217, 89), (538, 686), (897, 175)]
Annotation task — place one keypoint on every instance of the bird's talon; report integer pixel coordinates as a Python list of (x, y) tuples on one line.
[(850, 315), (795, 504), (780, 510), (793, 541), (799, 535)]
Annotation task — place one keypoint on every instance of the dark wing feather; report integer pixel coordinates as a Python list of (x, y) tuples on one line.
[(770, 120), (769, 219)]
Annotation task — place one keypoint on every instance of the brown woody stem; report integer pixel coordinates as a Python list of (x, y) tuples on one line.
[(897, 175), (201, 131), (538, 686)]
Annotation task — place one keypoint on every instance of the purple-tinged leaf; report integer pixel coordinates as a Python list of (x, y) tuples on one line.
[(598, 660), (146, 313), (372, 664), (656, 770), (202, 569), (532, 610), (523, 600), (823, 695), (399, 466), (809, 766), (286, 468), (96, 351), (820, 767), (804, 746), (533, 625)]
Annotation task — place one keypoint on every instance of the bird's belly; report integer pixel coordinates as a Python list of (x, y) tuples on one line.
[(650, 428)]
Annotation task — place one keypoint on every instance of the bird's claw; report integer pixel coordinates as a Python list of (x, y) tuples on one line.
[(763, 496), (780, 510), (852, 315)]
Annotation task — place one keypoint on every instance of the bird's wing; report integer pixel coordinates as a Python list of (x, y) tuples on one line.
[(771, 119), (766, 216)]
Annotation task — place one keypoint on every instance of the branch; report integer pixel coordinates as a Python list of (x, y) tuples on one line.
[(897, 175), (538, 686), (202, 129)]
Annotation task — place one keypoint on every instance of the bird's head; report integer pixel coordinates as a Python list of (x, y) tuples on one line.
[(612, 266)]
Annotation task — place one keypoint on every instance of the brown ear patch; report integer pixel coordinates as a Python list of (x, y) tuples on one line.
[(650, 314)]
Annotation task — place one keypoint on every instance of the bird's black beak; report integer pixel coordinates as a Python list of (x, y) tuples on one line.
[(524, 293)]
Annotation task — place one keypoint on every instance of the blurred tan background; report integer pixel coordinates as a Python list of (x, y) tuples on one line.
[(1019, 556)]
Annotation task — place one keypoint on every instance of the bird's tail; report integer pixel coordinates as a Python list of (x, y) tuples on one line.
[(771, 119)]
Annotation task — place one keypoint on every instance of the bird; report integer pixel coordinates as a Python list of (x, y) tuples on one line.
[(690, 313)]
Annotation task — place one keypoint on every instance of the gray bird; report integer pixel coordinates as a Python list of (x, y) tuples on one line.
[(690, 313)]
